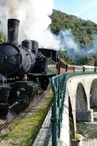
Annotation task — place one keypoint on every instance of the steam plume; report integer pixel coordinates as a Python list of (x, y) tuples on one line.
[(73, 49), (12, 7), (34, 20), (34, 24)]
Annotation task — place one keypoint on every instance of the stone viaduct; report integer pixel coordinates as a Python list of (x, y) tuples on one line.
[(81, 95)]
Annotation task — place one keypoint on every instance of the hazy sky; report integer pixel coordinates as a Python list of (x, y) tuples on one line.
[(85, 9)]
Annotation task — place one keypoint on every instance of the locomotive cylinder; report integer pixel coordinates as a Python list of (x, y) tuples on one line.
[(13, 29)]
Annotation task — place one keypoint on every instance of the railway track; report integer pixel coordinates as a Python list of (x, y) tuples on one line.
[(3, 124), (27, 122)]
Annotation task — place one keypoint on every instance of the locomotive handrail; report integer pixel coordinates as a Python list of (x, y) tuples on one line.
[(39, 54), (58, 84)]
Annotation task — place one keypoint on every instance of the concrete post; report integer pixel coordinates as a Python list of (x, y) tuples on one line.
[(77, 141), (64, 136), (90, 117)]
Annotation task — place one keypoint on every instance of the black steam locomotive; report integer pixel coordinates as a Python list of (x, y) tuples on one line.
[(23, 69)]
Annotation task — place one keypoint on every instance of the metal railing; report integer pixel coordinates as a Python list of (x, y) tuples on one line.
[(58, 84)]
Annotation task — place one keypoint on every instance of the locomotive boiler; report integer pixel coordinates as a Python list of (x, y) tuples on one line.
[(16, 59)]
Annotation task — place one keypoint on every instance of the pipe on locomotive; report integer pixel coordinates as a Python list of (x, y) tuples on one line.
[(13, 29)]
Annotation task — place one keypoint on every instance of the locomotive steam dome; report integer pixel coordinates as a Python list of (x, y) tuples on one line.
[(15, 59)]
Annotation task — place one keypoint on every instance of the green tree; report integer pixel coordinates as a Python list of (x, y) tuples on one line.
[(87, 60), (2, 37), (82, 30)]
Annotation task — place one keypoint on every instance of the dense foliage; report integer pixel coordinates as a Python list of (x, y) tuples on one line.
[(83, 31), (2, 37)]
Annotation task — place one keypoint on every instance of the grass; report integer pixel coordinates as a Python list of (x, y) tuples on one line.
[(94, 109), (88, 130), (24, 133)]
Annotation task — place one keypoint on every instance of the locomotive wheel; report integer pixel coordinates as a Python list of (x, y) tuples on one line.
[(23, 104)]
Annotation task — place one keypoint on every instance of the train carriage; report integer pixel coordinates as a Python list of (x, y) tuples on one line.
[(87, 68)]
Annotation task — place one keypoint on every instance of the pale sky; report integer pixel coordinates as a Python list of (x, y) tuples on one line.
[(85, 9)]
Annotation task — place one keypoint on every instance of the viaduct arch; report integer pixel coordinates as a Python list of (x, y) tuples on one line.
[(80, 97)]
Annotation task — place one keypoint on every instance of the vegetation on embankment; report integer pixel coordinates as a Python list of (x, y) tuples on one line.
[(25, 130), (88, 129), (83, 32)]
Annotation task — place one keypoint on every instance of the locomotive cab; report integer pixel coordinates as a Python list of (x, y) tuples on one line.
[(49, 53), (45, 66), (46, 62)]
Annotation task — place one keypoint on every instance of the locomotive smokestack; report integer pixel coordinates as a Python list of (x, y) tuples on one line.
[(13, 28)]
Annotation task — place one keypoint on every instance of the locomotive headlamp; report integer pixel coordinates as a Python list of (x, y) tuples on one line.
[(18, 93)]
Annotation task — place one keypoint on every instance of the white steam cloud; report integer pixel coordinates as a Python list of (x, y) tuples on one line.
[(34, 20), (34, 25), (73, 49), (12, 8)]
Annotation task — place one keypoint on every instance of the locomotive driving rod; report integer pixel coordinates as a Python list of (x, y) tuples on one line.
[(13, 105)]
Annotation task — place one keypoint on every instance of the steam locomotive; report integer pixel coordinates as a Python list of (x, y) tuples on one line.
[(23, 70)]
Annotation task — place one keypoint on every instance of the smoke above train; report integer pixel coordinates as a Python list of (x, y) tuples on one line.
[(73, 48), (34, 18), (35, 21)]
